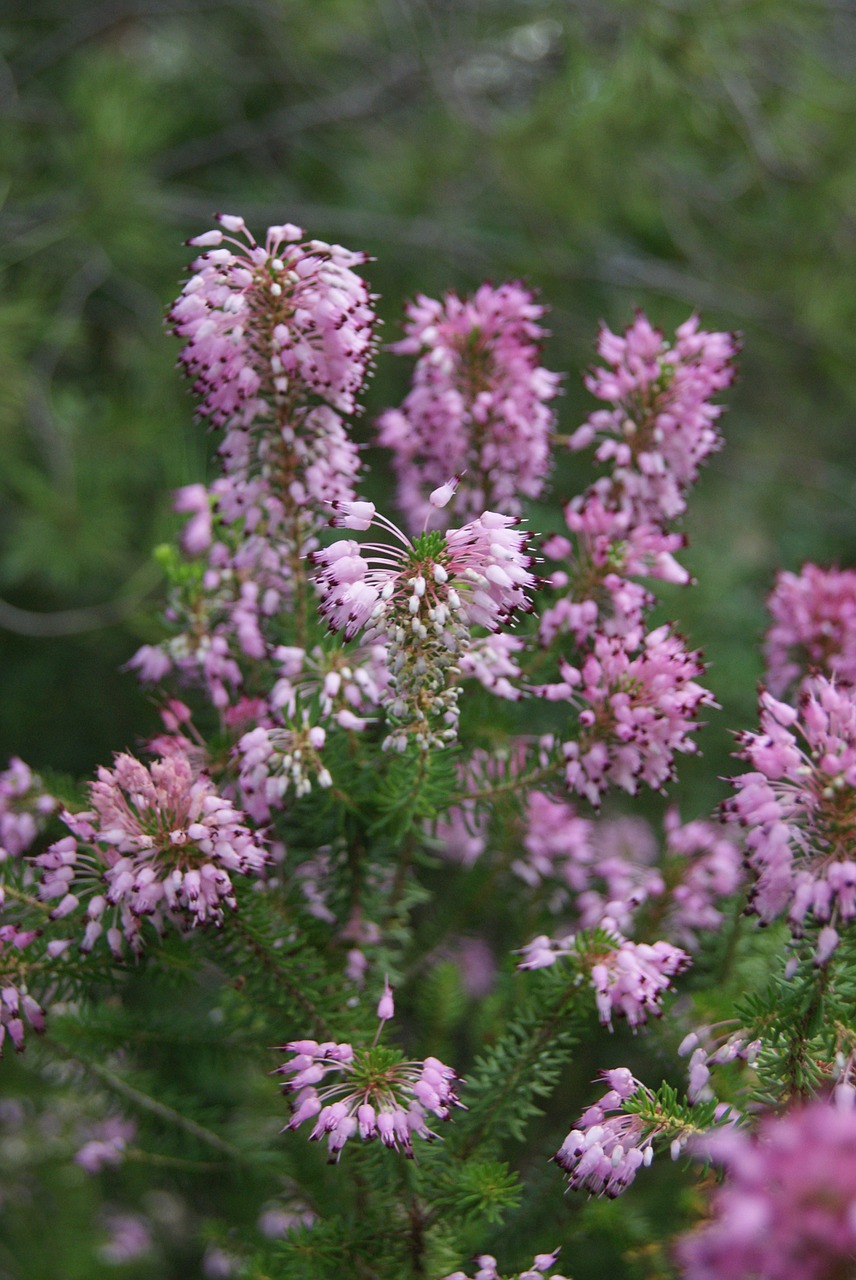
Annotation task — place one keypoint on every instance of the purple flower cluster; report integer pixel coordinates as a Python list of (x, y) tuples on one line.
[(608, 867), (371, 1093), (786, 1208), (798, 807), (813, 627), (158, 844), (662, 423), (479, 405), (25, 807), (260, 319), (269, 330), (638, 709)]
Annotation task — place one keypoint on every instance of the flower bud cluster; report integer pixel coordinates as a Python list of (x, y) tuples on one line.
[(662, 423)]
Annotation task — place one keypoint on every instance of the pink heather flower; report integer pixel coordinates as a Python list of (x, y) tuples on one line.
[(798, 805), (105, 1148), (813, 627), (16, 1002), (542, 1263), (479, 405), (662, 424), (129, 1238), (422, 598), (786, 1208), (590, 860), (603, 1152), (609, 546), (260, 319), (703, 865), (638, 712), (159, 843), (371, 1093), (628, 978), (25, 807), (275, 761)]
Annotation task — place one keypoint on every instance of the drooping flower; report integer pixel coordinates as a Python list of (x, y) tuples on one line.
[(479, 405), (813, 627), (798, 806), (616, 1136), (785, 1210), (629, 979), (366, 1093), (603, 1153), (662, 423), (159, 843), (423, 598)]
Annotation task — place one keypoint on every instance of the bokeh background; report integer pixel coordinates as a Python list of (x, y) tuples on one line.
[(680, 156)]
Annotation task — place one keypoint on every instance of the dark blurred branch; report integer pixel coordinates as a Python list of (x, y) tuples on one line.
[(352, 103)]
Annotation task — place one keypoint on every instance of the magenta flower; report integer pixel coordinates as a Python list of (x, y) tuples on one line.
[(157, 844), (479, 406), (798, 805), (422, 598), (786, 1209), (662, 425), (371, 1093), (813, 627)]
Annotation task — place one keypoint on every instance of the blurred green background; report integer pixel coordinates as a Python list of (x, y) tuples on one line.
[(695, 154)]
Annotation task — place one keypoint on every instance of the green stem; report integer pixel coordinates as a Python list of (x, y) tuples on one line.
[(11, 892), (147, 1103)]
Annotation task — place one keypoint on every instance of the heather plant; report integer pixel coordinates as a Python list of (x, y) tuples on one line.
[(311, 980)]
